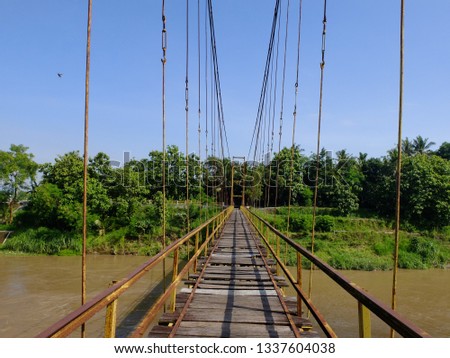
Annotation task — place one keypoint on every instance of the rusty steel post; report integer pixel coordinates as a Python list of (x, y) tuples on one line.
[(299, 283), (197, 236), (365, 330), (232, 184), (174, 276), (278, 254), (85, 162), (111, 317)]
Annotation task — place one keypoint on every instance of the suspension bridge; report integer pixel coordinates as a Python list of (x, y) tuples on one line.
[(227, 277), (233, 285)]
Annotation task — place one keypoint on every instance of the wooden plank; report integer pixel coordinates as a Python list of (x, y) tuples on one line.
[(267, 302), (234, 283), (160, 332), (231, 277), (237, 330), (251, 306), (240, 315), (235, 296), (263, 292), (234, 287), (237, 270), (239, 261), (233, 315)]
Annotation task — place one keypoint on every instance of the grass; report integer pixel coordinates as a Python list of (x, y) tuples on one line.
[(43, 241), (361, 243), (120, 241)]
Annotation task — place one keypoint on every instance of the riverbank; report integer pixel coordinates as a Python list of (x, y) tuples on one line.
[(143, 238), (360, 242), (357, 242), (50, 242)]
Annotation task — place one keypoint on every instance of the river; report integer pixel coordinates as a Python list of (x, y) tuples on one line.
[(423, 297), (38, 291)]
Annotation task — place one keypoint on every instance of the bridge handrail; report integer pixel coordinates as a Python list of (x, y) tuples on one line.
[(81, 315), (385, 313)]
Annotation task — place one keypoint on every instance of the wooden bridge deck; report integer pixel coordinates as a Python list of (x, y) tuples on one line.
[(235, 293)]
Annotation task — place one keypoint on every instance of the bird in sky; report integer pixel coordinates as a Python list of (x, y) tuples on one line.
[(60, 75)]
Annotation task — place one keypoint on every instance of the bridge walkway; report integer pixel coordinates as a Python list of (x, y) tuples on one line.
[(235, 293)]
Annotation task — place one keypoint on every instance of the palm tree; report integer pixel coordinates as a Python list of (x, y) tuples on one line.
[(362, 158), (422, 145), (342, 156), (407, 147)]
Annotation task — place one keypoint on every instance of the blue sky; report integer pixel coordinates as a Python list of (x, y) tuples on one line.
[(46, 113)]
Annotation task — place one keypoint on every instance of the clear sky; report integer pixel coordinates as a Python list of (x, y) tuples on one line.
[(40, 38)]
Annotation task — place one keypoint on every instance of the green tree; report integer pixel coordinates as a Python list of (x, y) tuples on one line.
[(100, 168), (254, 183), (378, 185), (408, 147), (17, 174), (217, 174), (175, 172), (426, 191), (326, 178), (347, 183), (344, 199), (444, 151), (66, 174), (44, 205), (129, 192), (281, 175), (422, 145)]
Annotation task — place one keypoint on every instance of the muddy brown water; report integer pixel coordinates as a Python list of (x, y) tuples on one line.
[(36, 292)]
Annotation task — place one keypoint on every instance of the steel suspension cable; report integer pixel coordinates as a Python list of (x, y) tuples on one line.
[(319, 123), (213, 111), (270, 133), (271, 119), (85, 161), (206, 107), (282, 102), (399, 161), (272, 138), (294, 114), (268, 74), (257, 127), (218, 91), (199, 130), (263, 136), (221, 128), (164, 61), (186, 95)]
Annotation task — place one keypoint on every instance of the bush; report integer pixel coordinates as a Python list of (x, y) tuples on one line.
[(410, 260), (324, 223), (446, 232), (150, 249), (383, 247), (426, 249), (44, 241), (300, 223), (357, 259)]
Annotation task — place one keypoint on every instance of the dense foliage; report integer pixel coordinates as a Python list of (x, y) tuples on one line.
[(124, 202), (356, 243), (347, 183)]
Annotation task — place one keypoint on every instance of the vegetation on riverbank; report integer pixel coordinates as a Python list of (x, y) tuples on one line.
[(360, 242), (42, 203), (120, 241)]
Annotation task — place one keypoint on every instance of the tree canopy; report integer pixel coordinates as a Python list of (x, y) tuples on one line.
[(128, 195)]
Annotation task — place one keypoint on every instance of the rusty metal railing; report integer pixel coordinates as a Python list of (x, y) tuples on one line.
[(366, 302), (203, 236)]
